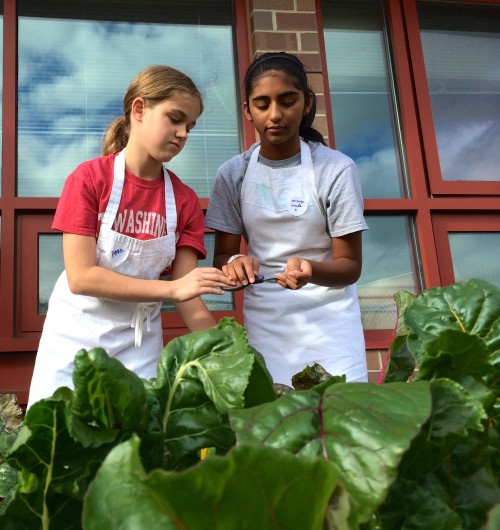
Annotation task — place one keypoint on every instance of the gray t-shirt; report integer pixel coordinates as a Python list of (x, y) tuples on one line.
[(337, 186)]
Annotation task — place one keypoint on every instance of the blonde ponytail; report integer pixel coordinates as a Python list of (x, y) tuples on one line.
[(116, 136)]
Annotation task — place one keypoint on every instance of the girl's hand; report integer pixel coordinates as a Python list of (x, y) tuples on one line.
[(298, 272), (242, 270), (202, 280)]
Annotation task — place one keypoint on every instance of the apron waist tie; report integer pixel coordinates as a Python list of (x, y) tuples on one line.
[(142, 310)]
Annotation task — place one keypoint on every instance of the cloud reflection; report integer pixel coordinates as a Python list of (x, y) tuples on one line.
[(72, 77)]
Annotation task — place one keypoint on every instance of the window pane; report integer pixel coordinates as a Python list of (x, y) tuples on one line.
[(76, 61), (389, 265), (461, 47), (362, 95), (50, 266), (472, 256)]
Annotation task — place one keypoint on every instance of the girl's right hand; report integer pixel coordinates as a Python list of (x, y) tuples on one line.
[(202, 280), (242, 270)]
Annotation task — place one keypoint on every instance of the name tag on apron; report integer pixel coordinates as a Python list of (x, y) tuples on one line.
[(297, 206)]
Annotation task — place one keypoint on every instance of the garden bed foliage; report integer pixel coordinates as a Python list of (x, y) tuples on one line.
[(419, 451)]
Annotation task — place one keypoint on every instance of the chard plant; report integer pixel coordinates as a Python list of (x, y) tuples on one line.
[(419, 451)]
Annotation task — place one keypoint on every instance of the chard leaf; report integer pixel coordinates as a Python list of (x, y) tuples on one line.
[(260, 386), (107, 393), (251, 488), (361, 429), (201, 376), (470, 307), (418, 509), (11, 414), (401, 362), (8, 483), (447, 468), (452, 353), (455, 415), (493, 522), (218, 360), (53, 470)]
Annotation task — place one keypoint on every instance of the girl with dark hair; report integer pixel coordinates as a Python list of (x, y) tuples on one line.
[(298, 205), (126, 220)]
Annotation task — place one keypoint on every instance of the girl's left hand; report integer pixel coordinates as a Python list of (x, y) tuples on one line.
[(297, 273)]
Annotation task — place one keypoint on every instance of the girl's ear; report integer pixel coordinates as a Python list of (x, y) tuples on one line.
[(247, 112), (308, 105), (137, 109)]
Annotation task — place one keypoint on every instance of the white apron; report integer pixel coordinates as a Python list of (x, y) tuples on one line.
[(128, 331), (294, 328)]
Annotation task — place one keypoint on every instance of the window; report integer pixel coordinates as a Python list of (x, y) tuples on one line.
[(456, 57), (367, 128), (362, 95), (389, 262), (415, 94), (70, 66), (76, 60), (466, 246)]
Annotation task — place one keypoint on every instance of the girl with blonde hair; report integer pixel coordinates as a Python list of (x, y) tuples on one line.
[(126, 221)]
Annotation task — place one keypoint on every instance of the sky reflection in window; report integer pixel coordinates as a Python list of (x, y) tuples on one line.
[(72, 78)]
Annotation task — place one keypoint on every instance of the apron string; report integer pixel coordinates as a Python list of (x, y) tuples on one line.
[(142, 310)]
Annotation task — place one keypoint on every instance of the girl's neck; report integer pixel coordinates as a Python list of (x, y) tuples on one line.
[(142, 165), (280, 151)]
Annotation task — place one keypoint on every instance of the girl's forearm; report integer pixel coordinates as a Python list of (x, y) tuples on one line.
[(102, 283), (195, 314), (337, 273)]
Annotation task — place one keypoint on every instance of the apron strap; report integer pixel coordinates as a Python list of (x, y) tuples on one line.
[(116, 194), (143, 310)]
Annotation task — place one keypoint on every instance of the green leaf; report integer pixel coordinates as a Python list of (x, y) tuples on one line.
[(8, 483), (260, 387), (447, 468), (362, 429), (452, 353), (11, 414), (201, 376), (404, 300), (469, 307), (493, 522), (309, 377), (417, 509), (455, 415), (218, 359), (401, 363), (106, 393), (54, 470), (251, 488)]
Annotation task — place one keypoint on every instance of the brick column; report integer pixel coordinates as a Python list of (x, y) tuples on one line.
[(291, 26)]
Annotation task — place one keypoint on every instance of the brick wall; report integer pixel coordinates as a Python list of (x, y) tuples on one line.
[(291, 26)]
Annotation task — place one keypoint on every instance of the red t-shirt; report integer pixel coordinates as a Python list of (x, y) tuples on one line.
[(141, 213)]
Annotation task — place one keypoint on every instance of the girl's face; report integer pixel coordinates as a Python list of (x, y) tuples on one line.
[(164, 127), (276, 107)]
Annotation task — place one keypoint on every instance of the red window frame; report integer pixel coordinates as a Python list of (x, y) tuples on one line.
[(444, 224)]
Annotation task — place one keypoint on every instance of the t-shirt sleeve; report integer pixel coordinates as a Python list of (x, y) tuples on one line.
[(224, 208), (345, 206), (339, 188), (77, 209)]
